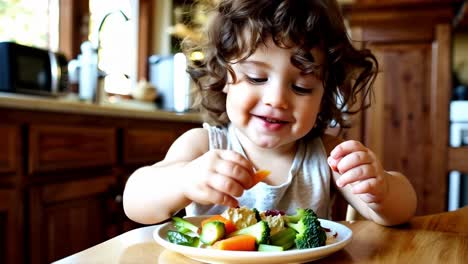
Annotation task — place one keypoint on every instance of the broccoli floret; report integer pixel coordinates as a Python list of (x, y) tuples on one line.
[(257, 214), (295, 218), (309, 232), (260, 230), (212, 232), (284, 238), (184, 226)]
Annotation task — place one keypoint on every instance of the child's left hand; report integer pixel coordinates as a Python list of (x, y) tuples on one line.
[(360, 168)]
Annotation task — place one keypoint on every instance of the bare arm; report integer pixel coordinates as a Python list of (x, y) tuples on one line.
[(385, 197), (152, 193), (189, 172)]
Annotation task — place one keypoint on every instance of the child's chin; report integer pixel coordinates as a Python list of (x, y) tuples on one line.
[(268, 143)]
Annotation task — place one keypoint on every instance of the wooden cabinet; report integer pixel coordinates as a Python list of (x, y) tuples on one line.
[(11, 221), (9, 140), (407, 126), (136, 142), (62, 178), (11, 227), (68, 217), (56, 147)]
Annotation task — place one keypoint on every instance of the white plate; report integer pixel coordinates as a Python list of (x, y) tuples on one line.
[(239, 257)]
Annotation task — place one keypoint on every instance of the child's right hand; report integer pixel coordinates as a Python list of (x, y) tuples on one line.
[(217, 177)]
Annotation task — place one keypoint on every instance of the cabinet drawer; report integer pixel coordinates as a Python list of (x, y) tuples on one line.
[(146, 146), (9, 145), (56, 147)]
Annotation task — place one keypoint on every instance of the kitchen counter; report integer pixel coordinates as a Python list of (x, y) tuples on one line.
[(116, 108)]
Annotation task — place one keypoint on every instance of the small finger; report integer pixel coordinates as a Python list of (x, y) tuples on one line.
[(367, 186), (333, 163), (234, 171), (238, 159), (352, 160), (212, 196), (354, 175), (226, 185), (347, 147), (229, 201)]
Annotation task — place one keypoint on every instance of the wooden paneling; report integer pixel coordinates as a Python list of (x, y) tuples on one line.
[(398, 125), (407, 125), (62, 147), (458, 159), (136, 142), (67, 217), (11, 229), (441, 84), (73, 29), (9, 136), (144, 37)]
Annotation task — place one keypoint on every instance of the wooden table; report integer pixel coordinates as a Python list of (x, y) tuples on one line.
[(438, 238)]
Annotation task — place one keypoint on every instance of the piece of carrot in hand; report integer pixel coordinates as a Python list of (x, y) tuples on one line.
[(238, 243), (228, 224), (260, 175)]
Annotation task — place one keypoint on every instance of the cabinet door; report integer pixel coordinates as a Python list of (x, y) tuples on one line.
[(10, 227), (397, 127), (68, 217), (9, 146), (407, 125)]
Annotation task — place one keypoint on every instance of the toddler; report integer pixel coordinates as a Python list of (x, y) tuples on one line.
[(276, 74)]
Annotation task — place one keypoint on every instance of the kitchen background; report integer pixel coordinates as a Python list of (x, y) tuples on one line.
[(64, 160)]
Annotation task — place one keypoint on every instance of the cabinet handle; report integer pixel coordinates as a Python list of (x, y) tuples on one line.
[(118, 198)]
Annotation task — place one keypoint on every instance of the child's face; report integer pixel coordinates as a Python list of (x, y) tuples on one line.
[(272, 103)]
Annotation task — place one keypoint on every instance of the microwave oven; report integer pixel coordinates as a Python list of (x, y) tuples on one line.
[(31, 70)]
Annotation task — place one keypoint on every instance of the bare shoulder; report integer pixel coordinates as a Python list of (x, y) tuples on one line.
[(190, 145), (330, 142)]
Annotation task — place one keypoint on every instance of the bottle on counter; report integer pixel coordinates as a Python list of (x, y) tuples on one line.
[(88, 74)]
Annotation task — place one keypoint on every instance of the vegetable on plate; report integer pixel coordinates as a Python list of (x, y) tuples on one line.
[(299, 231), (238, 243)]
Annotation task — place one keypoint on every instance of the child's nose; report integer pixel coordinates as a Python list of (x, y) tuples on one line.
[(275, 96)]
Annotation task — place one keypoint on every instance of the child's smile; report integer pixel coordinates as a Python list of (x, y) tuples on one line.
[(271, 123), (272, 102)]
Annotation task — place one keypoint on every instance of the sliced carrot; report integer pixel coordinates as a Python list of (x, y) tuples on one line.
[(228, 224), (260, 175), (238, 243)]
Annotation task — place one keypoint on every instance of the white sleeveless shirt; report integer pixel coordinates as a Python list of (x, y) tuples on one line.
[(307, 186)]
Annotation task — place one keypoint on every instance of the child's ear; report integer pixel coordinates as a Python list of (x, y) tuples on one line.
[(228, 84), (226, 88)]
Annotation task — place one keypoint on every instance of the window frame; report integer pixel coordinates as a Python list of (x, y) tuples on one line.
[(73, 30)]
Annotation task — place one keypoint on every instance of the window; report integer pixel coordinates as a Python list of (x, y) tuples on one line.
[(30, 22), (36, 23), (112, 29)]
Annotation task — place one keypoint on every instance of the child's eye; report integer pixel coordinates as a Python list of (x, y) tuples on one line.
[(257, 80), (301, 90)]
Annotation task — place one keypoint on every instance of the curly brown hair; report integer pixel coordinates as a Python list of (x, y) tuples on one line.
[(238, 27)]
